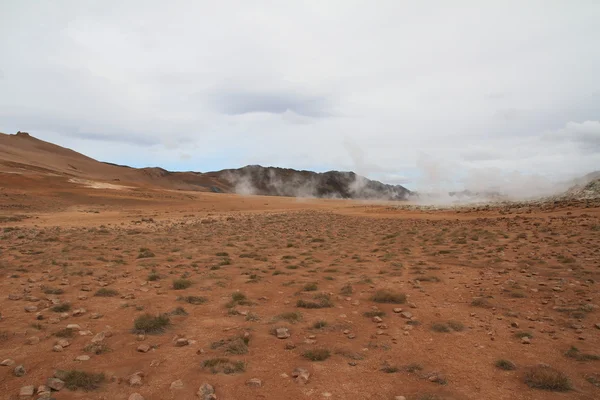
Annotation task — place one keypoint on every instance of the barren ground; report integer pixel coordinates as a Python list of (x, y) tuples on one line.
[(476, 280)]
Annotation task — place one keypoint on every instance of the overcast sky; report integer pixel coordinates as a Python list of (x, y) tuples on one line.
[(401, 91)]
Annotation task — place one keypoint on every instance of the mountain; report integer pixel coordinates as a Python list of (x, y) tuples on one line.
[(22, 153), (273, 181)]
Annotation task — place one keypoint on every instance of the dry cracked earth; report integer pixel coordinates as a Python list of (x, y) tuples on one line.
[(347, 301)]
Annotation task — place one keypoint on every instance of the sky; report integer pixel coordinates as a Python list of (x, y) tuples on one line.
[(459, 94)]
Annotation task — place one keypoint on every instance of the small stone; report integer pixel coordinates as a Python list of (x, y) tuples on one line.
[(406, 314), (282, 333), (526, 340), (44, 392), (82, 358), (302, 375), (143, 348), (181, 342), (598, 325), (377, 319), (78, 312), (206, 392), (31, 309), (290, 346), (55, 384), (19, 370), (27, 391), (176, 385), (514, 324), (8, 362), (99, 337), (57, 348), (399, 398), (63, 343), (135, 379), (397, 310), (32, 340), (97, 316), (351, 336), (136, 396), (254, 382), (14, 296), (74, 327)]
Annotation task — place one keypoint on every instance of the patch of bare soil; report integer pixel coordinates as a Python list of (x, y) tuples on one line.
[(172, 295)]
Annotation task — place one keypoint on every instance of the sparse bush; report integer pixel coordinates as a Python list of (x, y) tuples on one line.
[(196, 300), (180, 284), (506, 365), (224, 365), (440, 327), (50, 290), (547, 378), (576, 354), (310, 287), (346, 290), (237, 346), (148, 323), (64, 307), (153, 276), (387, 296), (87, 381), (179, 311), (456, 326), (522, 334), (317, 354), (105, 292), (145, 253), (65, 333), (291, 317), (97, 348), (413, 367), (238, 298), (390, 369), (320, 324), (322, 301), (481, 302)]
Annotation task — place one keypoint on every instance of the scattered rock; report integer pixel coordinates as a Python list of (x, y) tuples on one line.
[(32, 340), (19, 370), (135, 379), (282, 333), (26, 391), (143, 348), (136, 396), (526, 340), (82, 358), (176, 385), (63, 343), (182, 342), (31, 309), (99, 337), (55, 384), (8, 362), (254, 382), (301, 375), (206, 392), (406, 314), (397, 310)]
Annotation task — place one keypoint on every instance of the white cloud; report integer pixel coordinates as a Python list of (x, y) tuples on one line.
[(507, 87)]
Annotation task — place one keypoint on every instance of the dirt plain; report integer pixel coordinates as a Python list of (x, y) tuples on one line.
[(468, 287)]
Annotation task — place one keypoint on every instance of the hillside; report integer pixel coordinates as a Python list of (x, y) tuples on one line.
[(22, 153)]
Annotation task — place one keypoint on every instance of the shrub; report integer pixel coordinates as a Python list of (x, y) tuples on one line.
[(576, 354), (320, 324), (153, 276), (145, 253), (179, 311), (390, 369), (64, 307), (237, 346), (322, 301), (522, 334), (481, 302), (317, 354), (547, 378), (456, 326), (49, 290), (387, 296), (440, 327), (97, 348), (310, 287), (506, 365), (180, 284), (238, 298), (105, 292), (65, 333), (147, 323), (291, 317), (224, 365), (196, 300), (87, 381)]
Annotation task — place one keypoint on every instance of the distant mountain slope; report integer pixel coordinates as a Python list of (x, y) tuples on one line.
[(255, 179), (22, 153)]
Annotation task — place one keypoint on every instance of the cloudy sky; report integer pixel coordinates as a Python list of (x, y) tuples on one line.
[(401, 91)]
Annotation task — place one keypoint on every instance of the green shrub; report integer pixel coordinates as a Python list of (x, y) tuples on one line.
[(147, 323), (387, 296)]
